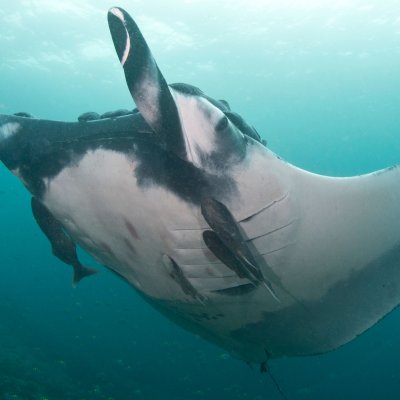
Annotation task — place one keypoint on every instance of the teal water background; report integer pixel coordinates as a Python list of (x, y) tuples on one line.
[(318, 79)]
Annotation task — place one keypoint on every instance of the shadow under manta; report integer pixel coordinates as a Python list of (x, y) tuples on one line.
[(182, 199)]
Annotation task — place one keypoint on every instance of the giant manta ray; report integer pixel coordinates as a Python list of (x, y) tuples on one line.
[(183, 200)]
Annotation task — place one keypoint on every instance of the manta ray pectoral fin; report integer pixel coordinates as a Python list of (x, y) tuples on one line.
[(229, 243), (62, 245), (146, 84)]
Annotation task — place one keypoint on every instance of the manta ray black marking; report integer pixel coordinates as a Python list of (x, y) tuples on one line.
[(182, 199)]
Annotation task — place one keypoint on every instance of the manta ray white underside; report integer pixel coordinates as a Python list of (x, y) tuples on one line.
[(183, 200)]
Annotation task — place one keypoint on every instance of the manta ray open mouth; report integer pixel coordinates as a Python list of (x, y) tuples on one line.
[(182, 199)]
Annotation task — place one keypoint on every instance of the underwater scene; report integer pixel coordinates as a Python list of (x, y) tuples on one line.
[(317, 79)]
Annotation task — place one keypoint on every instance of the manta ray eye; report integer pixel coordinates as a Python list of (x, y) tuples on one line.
[(222, 124)]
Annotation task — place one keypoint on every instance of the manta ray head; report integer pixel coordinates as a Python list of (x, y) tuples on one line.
[(212, 140)]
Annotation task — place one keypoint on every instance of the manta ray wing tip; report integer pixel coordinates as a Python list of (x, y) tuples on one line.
[(117, 11)]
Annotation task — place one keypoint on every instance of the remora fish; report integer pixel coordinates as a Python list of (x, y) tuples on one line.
[(182, 199)]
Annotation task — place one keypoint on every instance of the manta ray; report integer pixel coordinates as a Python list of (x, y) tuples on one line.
[(183, 200)]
